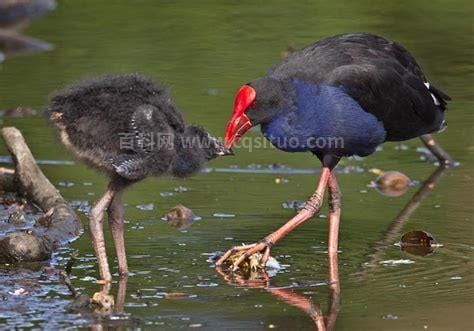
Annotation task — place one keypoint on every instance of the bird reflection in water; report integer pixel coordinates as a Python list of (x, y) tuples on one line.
[(16, 16), (392, 234), (258, 278), (106, 306)]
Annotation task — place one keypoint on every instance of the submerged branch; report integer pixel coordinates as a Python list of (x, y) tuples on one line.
[(29, 181)]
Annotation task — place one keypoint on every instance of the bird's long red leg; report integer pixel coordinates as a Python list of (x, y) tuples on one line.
[(96, 217), (334, 292), (121, 294), (443, 157), (302, 302), (335, 200), (312, 206), (116, 220)]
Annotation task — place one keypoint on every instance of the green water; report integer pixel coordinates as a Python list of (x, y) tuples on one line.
[(204, 50)]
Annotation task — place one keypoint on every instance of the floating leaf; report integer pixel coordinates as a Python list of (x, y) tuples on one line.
[(392, 183), (419, 243)]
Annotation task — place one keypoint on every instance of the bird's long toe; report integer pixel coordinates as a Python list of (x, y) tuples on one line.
[(259, 247), (245, 252), (231, 251)]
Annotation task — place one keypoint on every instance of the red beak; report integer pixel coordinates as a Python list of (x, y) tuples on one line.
[(239, 122)]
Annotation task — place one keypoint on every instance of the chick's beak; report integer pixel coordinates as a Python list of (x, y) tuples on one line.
[(221, 149)]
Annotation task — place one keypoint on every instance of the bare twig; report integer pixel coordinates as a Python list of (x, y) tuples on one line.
[(63, 276)]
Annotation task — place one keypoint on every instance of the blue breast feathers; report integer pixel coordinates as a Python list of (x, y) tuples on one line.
[(327, 120)]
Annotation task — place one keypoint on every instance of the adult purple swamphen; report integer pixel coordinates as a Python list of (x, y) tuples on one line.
[(128, 127), (343, 95)]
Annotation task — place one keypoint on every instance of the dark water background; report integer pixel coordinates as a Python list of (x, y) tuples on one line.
[(204, 50)]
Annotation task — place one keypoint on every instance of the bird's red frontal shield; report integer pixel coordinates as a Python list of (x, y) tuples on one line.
[(239, 122)]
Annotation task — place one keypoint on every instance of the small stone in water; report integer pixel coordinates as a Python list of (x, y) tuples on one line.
[(180, 217)]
